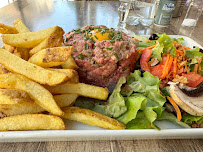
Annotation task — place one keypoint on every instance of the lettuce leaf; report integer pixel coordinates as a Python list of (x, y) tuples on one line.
[(157, 51), (192, 53), (178, 40), (145, 44), (164, 43), (133, 104), (140, 38), (140, 122), (189, 119), (116, 104), (169, 116)]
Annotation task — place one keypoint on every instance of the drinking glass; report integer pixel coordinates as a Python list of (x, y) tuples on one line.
[(123, 12), (141, 12), (193, 13)]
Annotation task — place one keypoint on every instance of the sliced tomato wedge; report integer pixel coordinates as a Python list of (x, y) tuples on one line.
[(193, 79), (146, 54)]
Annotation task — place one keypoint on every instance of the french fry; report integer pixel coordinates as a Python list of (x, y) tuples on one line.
[(24, 53), (31, 122), (70, 64), (41, 96), (5, 29), (33, 108), (18, 54), (9, 48), (30, 39), (20, 26), (51, 57), (12, 96), (81, 89), (51, 41), (32, 71), (72, 74), (91, 118), (3, 70)]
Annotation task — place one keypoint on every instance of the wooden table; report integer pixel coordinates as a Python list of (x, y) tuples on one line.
[(41, 14)]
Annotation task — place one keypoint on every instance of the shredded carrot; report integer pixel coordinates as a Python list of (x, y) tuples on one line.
[(196, 68), (179, 116), (151, 47), (167, 66), (179, 52), (187, 48), (175, 67), (136, 39), (175, 42), (140, 49)]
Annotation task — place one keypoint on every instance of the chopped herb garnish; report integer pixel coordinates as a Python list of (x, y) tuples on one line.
[(109, 37), (103, 76), (77, 29), (77, 32), (126, 67), (96, 37), (81, 56), (75, 51), (94, 47), (112, 41), (85, 38), (116, 55), (66, 39), (70, 37), (110, 48), (114, 38), (92, 39), (97, 28), (102, 47), (86, 46), (74, 42), (89, 52)]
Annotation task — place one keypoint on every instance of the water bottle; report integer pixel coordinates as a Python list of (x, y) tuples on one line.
[(164, 12)]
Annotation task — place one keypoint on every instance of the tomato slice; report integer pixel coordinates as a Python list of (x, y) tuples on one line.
[(146, 54), (193, 79)]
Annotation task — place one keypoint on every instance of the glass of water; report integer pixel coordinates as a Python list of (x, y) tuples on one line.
[(193, 13), (141, 12), (123, 12)]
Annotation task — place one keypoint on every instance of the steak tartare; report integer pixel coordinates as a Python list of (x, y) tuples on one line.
[(102, 54)]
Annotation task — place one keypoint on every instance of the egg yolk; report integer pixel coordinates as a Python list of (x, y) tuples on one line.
[(99, 36)]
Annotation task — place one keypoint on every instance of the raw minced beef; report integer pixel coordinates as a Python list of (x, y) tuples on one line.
[(102, 54)]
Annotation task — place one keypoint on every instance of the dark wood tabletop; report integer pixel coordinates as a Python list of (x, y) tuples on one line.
[(40, 14)]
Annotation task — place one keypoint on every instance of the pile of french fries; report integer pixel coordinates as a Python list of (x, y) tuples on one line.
[(39, 82)]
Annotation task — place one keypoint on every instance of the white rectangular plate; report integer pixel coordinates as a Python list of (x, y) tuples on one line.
[(78, 132)]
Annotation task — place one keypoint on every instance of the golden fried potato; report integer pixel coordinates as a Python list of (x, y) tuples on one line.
[(51, 57), (5, 29), (24, 53), (91, 118), (30, 39), (20, 26), (72, 74), (18, 54), (51, 41), (81, 89), (33, 108), (37, 92), (31, 122), (3, 70), (70, 64), (9, 48), (32, 71), (12, 96)]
